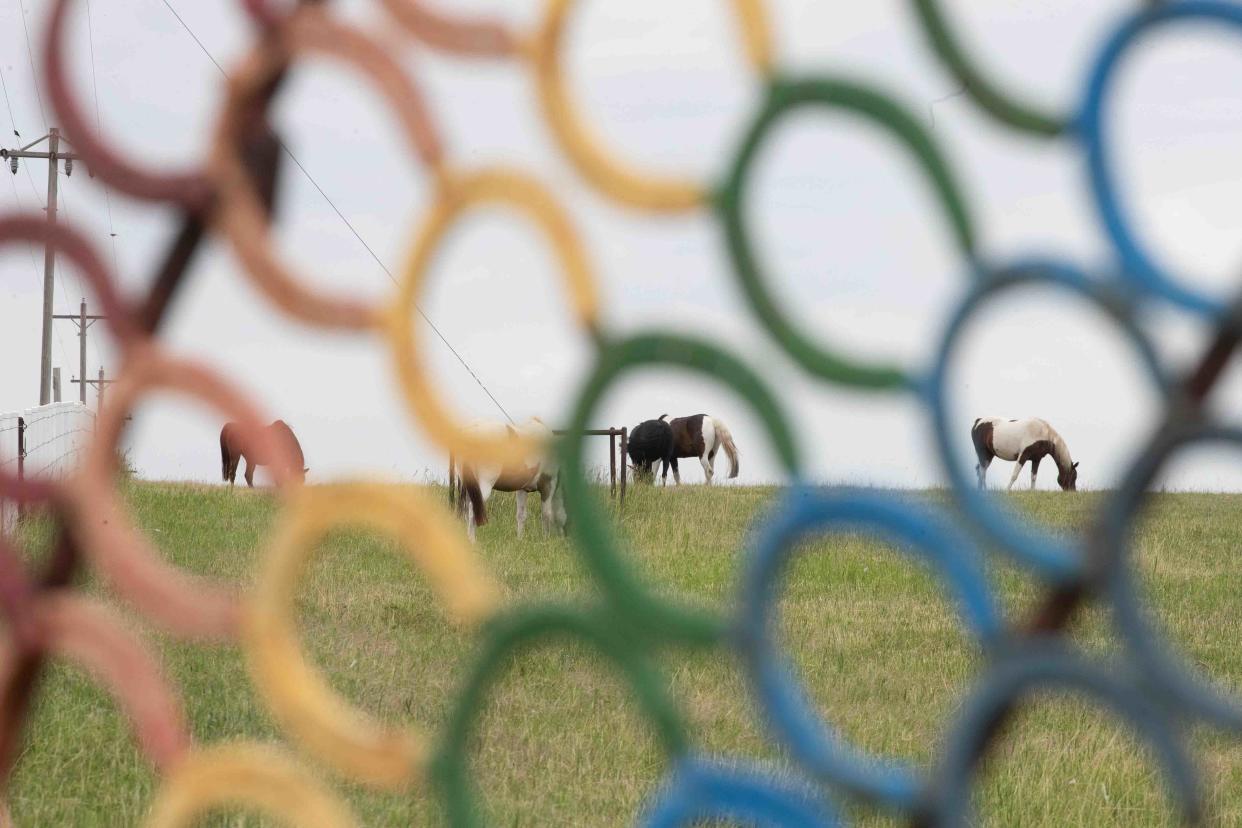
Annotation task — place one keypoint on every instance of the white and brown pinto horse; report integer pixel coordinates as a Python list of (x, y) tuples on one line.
[(699, 436), (534, 474), (1022, 440)]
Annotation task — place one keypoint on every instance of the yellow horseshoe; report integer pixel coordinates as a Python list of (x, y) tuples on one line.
[(296, 692), (606, 171), (458, 194), (246, 774)]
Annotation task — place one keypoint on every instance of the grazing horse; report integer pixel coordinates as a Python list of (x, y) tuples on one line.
[(1022, 440), (699, 436), (233, 448), (535, 474), (649, 442)]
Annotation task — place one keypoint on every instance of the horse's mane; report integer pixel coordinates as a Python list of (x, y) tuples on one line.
[(1060, 451), (287, 432)]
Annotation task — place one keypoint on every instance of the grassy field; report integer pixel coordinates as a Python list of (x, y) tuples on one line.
[(875, 640)]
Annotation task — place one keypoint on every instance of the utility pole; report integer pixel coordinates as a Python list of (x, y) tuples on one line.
[(56, 384), (53, 156), (84, 321), (100, 384)]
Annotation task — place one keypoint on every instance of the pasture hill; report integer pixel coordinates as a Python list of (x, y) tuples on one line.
[(881, 650)]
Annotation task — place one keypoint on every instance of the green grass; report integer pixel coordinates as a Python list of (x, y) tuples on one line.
[(873, 637)]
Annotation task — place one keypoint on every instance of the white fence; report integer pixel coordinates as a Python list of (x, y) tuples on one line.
[(54, 437)]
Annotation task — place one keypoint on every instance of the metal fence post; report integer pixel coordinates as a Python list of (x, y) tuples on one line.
[(21, 462), (612, 462), (625, 444)]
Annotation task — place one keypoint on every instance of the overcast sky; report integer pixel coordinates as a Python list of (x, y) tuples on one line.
[(858, 250)]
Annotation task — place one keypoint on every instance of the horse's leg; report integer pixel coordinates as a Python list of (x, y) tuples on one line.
[(250, 467), (547, 511), (469, 512), (558, 507), (520, 496), (1017, 469), (707, 469), (981, 469), (1034, 469)]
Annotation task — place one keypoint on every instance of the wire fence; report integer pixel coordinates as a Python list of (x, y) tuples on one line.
[(46, 442)]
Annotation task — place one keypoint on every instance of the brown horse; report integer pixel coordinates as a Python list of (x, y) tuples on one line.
[(233, 449)]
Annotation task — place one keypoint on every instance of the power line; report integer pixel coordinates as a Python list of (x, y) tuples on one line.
[(351, 227), (42, 113), (5, 86), (13, 121), (64, 194), (29, 248), (17, 198), (29, 177), (393, 279), (116, 262), (13, 124), (61, 282), (190, 32), (34, 73), (931, 106)]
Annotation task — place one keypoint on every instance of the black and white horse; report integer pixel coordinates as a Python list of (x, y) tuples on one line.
[(699, 436), (1022, 440)]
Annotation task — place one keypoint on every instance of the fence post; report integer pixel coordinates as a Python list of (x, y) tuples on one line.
[(625, 444), (21, 462), (612, 462)]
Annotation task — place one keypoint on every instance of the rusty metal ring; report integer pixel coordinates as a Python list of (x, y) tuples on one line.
[(16, 594), (92, 636), (78, 249), (239, 214), (189, 189), (184, 604), (473, 37)]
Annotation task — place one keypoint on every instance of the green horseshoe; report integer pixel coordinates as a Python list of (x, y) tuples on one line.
[(505, 637), (994, 100), (591, 527), (785, 96)]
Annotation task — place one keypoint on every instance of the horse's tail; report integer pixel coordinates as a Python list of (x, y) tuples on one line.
[(224, 454), (725, 438), (470, 488)]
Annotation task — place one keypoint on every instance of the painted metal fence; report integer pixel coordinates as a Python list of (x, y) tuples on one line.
[(46, 441)]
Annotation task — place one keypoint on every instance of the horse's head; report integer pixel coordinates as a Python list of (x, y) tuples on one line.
[(643, 472), (1068, 480)]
